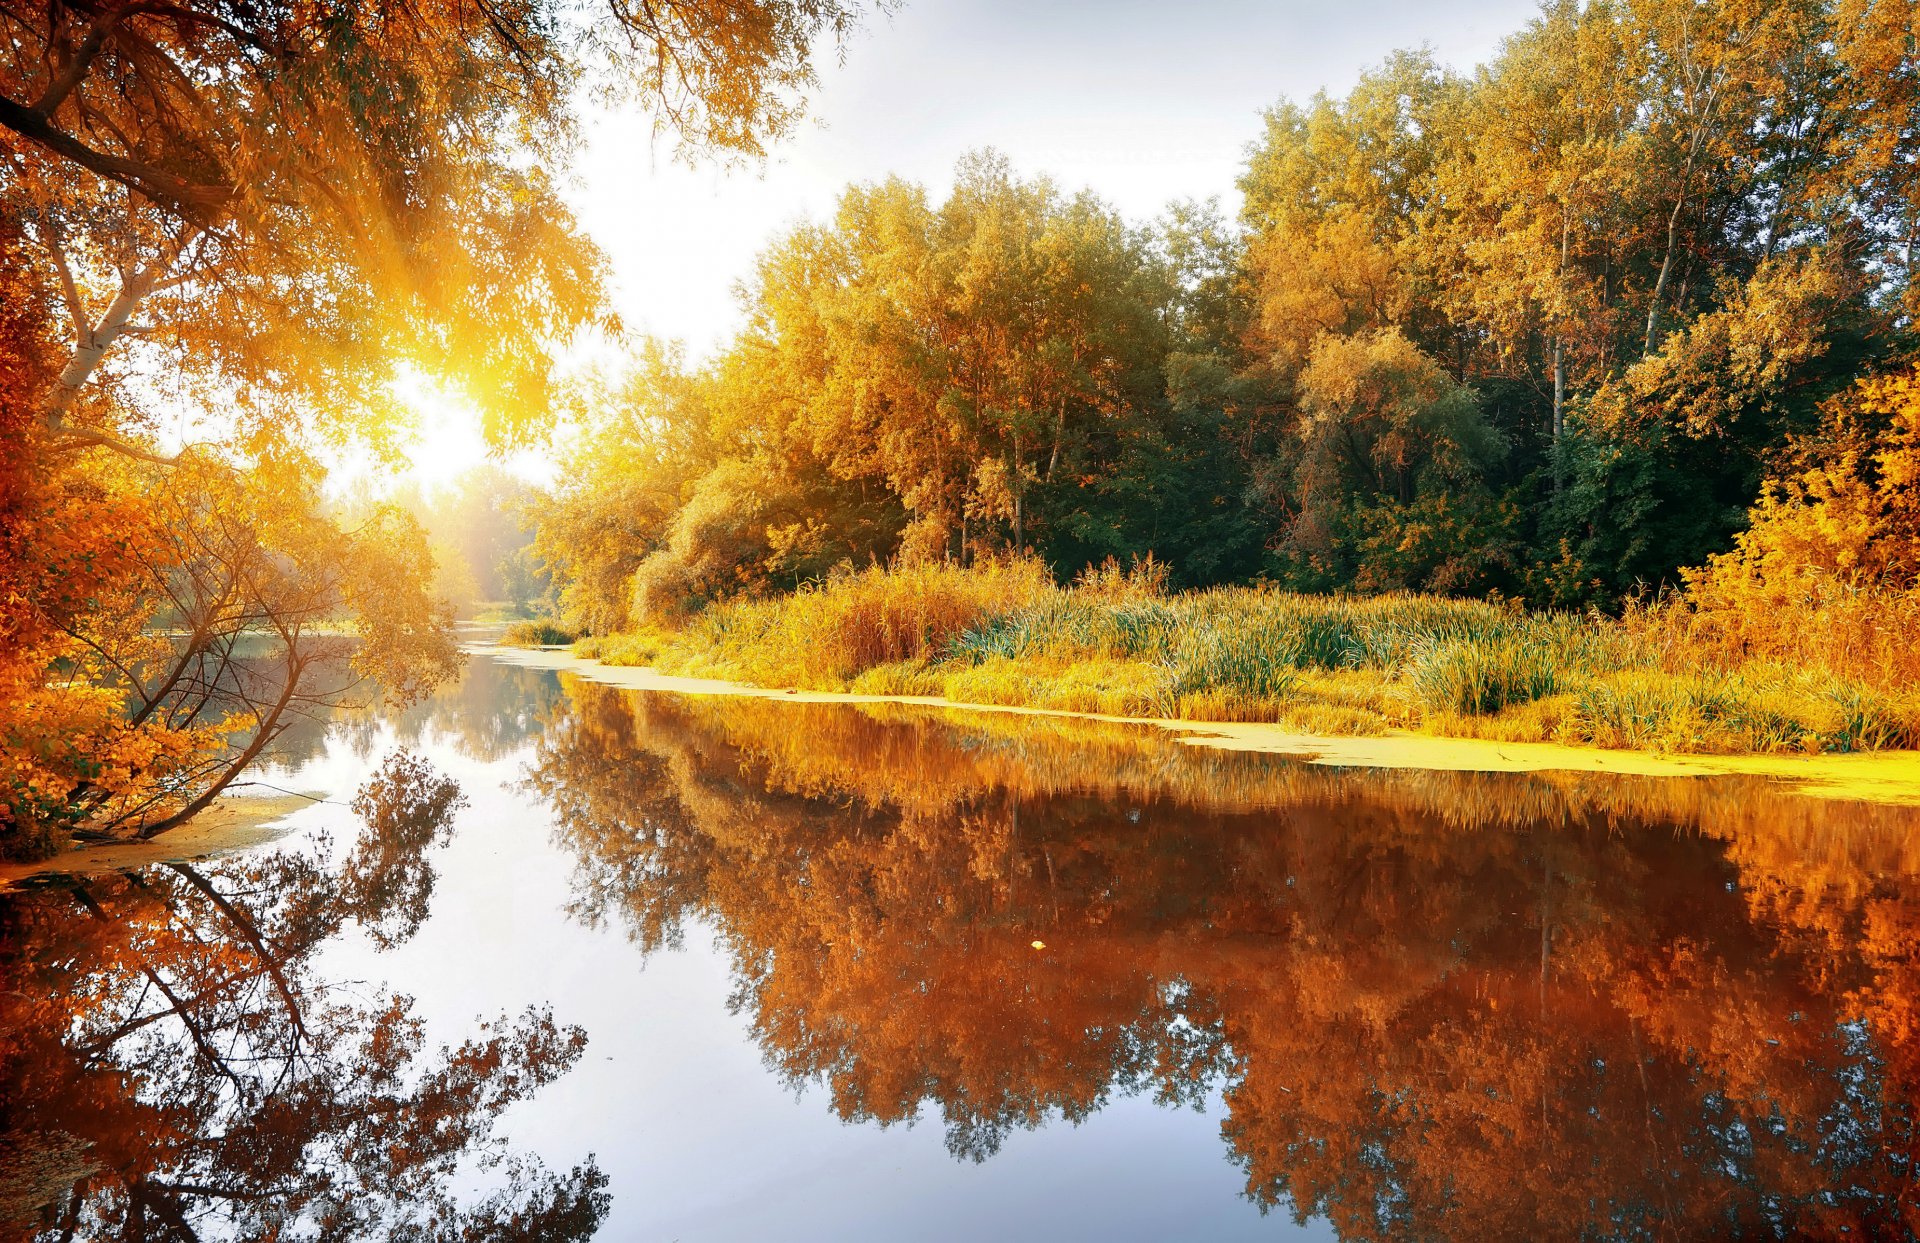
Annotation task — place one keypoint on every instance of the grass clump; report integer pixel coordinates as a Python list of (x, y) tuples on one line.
[(538, 632), (830, 632), (1116, 642), (1483, 675), (636, 649)]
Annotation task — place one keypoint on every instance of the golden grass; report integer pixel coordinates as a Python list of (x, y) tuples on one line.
[(1117, 644), (538, 632)]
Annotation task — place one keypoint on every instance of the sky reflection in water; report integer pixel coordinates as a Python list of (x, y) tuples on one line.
[(1405, 1005)]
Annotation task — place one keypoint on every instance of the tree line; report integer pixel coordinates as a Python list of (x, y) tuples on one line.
[(1544, 330)]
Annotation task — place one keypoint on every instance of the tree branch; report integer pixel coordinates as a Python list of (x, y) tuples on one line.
[(201, 204), (68, 78)]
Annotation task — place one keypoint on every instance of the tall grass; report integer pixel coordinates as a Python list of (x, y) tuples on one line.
[(539, 632), (1116, 642), (831, 631)]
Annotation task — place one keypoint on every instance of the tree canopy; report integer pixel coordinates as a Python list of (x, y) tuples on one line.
[(1542, 329), (240, 222)]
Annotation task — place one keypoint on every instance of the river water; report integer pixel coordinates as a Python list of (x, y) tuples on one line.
[(553, 957)]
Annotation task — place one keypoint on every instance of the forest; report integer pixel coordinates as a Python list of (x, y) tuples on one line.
[(1618, 325), (1544, 330), (1568, 398)]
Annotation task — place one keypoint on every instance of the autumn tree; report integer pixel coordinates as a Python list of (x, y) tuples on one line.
[(254, 217), (1390, 459), (1597, 232), (234, 182)]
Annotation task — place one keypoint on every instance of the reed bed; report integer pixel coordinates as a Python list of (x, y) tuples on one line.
[(1117, 643)]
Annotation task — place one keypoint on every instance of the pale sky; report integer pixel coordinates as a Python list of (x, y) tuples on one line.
[(1141, 102)]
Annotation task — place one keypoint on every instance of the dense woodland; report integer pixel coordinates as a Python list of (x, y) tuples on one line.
[(1543, 330)]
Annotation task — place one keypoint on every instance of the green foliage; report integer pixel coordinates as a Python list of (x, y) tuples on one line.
[(1483, 675)]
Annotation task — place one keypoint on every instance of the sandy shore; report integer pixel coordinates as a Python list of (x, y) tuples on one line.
[(1879, 776), (231, 824)]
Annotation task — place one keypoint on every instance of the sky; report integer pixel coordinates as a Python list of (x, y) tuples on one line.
[(1143, 103)]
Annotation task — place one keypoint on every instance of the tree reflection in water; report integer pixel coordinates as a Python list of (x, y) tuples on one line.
[(1437, 1005), (172, 1068)]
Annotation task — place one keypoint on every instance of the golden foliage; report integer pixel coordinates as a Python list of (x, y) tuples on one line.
[(1500, 1005), (1828, 572)]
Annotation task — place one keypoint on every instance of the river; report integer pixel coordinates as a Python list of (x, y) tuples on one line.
[(546, 957)]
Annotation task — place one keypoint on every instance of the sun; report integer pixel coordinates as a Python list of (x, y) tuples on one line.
[(447, 441)]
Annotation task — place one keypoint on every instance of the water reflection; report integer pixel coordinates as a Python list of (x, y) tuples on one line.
[(1423, 1005), (172, 1067), (1437, 1005), (488, 713)]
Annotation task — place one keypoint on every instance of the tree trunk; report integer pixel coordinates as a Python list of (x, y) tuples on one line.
[(266, 733), (1559, 404), (1694, 144), (93, 345), (1059, 438), (1560, 357), (1660, 283)]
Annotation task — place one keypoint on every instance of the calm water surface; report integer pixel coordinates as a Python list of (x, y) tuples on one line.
[(705, 969)]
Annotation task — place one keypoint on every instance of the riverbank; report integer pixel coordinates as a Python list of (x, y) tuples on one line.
[(234, 823), (1671, 679), (1888, 777)]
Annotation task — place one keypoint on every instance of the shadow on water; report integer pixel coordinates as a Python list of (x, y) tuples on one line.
[(1427, 1005)]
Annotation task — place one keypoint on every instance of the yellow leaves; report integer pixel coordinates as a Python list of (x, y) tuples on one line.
[(1852, 514), (1333, 277), (1828, 571), (1739, 358)]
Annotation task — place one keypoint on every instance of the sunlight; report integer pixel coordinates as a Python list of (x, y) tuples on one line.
[(447, 441), (1386, 527)]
